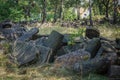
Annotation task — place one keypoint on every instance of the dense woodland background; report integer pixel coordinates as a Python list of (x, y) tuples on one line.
[(59, 10)]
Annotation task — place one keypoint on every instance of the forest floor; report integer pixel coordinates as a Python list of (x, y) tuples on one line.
[(46, 71)]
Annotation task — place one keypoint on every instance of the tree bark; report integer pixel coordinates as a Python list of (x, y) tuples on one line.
[(115, 12), (55, 13), (90, 11), (106, 12), (100, 7), (44, 11), (106, 4), (61, 10)]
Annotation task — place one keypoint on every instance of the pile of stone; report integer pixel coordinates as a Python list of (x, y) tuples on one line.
[(91, 54), (11, 31)]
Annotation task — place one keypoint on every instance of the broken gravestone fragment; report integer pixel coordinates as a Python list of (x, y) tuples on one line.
[(7, 24), (95, 65), (93, 46), (117, 43), (107, 46), (41, 41), (92, 33), (25, 52), (114, 72), (11, 32), (54, 42), (70, 48), (28, 35), (69, 59), (100, 52)]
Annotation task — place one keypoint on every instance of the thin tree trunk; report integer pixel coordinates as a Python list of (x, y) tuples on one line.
[(106, 12), (107, 8), (55, 13), (78, 13), (61, 11), (90, 15), (115, 12), (44, 11), (100, 9)]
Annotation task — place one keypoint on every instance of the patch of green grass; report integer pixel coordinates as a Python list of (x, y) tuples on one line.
[(95, 77), (63, 30), (109, 31)]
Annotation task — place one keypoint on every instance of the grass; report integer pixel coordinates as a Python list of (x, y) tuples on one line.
[(10, 71), (44, 72), (106, 30), (109, 31)]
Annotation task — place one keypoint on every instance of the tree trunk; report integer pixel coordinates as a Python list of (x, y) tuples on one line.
[(107, 8), (90, 15), (106, 12), (55, 13), (61, 11), (100, 8), (78, 13), (115, 12), (44, 11)]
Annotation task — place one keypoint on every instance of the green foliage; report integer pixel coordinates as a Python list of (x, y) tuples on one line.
[(19, 10), (79, 33), (50, 17), (4, 10), (16, 15), (7, 48), (69, 15)]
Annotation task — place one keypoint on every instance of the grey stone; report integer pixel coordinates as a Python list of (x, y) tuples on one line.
[(69, 59), (28, 35), (25, 52), (114, 71), (93, 46), (92, 33)]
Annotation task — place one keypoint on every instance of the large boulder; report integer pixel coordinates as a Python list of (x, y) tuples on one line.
[(7, 24), (117, 43), (70, 48), (11, 32), (114, 72), (25, 52), (93, 46), (92, 33), (54, 42), (69, 59), (95, 65), (28, 35), (107, 46)]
